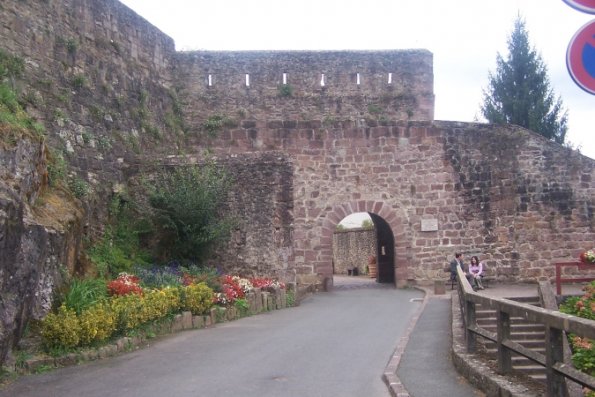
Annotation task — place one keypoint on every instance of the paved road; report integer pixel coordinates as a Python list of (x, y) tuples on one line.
[(334, 344)]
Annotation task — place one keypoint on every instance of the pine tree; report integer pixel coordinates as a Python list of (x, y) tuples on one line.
[(519, 93)]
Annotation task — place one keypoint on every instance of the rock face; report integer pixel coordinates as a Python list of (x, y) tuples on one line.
[(37, 240)]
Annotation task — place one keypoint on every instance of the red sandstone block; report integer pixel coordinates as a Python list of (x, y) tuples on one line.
[(311, 255), (377, 206)]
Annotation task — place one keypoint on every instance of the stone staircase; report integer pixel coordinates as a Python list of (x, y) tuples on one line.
[(530, 335)]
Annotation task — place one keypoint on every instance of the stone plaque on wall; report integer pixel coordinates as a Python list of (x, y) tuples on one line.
[(429, 225)]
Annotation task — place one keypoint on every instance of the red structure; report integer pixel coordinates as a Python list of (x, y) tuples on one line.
[(579, 265)]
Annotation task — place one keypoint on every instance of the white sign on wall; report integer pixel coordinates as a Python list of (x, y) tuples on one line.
[(429, 225)]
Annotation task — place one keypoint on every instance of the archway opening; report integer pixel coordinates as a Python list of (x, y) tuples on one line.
[(363, 245), (354, 242)]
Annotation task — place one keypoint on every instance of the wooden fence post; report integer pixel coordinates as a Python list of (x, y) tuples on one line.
[(554, 352), (504, 354), (470, 323)]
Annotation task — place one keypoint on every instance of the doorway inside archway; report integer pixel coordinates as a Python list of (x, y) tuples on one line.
[(363, 245), (385, 250)]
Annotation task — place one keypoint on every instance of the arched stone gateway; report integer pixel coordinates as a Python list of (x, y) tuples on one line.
[(391, 258)]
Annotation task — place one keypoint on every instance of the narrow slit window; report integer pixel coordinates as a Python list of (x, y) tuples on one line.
[(357, 79), (247, 80), (210, 80), (390, 78), (284, 78), (322, 82)]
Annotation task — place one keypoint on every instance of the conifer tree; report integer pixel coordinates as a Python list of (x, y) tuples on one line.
[(520, 93)]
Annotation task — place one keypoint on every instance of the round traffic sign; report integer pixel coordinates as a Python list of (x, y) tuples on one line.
[(587, 6), (580, 57)]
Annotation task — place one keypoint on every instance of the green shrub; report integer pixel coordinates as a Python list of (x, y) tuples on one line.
[(71, 45), (9, 101), (374, 109), (82, 294), (197, 298), (285, 90), (242, 307), (109, 257), (290, 298), (79, 81), (583, 356), (119, 249), (213, 124), (159, 303), (56, 168), (10, 66), (188, 210), (78, 187), (127, 311), (14, 120), (97, 324), (61, 330), (104, 144)]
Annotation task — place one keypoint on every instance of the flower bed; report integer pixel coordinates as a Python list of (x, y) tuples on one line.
[(583, 350), (130, 306)]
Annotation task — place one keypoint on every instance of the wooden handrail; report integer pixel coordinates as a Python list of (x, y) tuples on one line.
[(555, 323)]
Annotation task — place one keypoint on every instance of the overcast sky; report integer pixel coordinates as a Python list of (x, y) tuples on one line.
[(463, 35)]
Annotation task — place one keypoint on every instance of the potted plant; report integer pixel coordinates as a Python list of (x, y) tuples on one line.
[(372, 266), (588, 256)]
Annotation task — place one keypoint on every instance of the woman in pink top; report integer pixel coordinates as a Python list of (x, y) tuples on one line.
[(475, 272)]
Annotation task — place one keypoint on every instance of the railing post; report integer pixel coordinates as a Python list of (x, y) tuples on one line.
[(558, 279), (470, 323), (554, 352), (504, 354)]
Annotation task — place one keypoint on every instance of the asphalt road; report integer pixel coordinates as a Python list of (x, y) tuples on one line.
[(333, 344)]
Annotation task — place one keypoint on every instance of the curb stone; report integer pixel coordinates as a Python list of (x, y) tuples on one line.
[(390, 378)]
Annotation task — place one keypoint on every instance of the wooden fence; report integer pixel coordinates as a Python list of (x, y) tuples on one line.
[(556, 326)]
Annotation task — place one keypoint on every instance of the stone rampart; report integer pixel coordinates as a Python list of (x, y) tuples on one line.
[(307, 85)]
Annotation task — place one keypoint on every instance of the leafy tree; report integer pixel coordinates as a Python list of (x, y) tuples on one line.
[(187, 205), (519, 93), (367, 224)]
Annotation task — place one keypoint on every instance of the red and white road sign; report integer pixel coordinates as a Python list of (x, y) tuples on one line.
[(580, 57), (587, 6)]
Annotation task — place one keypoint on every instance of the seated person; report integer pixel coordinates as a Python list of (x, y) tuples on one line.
[(457, 261), (475, 273)]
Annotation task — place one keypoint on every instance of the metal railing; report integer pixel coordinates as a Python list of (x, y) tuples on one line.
[(555, 323)]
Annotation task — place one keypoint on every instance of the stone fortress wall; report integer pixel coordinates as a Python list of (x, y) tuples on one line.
[(114, 94)]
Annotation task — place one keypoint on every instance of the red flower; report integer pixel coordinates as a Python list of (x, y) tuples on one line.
[(125, 284)]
